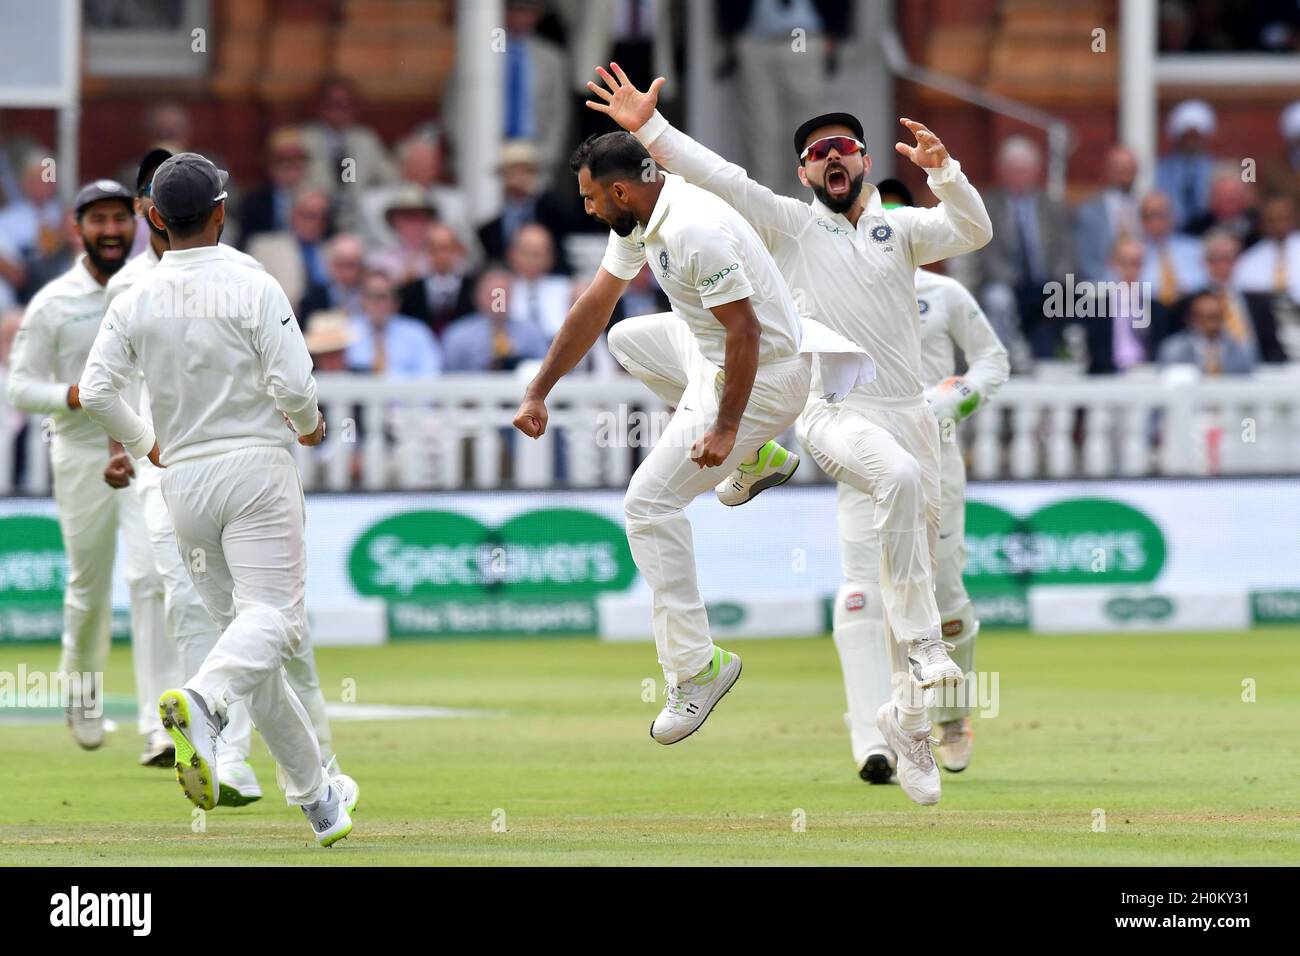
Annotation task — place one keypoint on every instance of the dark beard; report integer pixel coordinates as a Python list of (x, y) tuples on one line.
[(841, 206), (624, 224), (106, 266)]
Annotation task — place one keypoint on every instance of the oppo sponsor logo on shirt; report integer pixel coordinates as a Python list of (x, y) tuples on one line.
[(718, 276)]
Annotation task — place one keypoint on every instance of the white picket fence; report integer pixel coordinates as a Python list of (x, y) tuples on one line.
[(454, 432)]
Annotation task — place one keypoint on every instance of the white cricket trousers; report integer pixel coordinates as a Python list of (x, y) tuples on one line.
[(889, 451), (90, 513), (239, 520), (195, 633), (869, 660), (661, 351)]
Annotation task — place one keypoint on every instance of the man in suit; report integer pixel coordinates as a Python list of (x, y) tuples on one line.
[(419, 159), (525, 201), (296, 257), (488, 340), (1248, 317), (337, 142), (1032, 245), (1129, 325), (447, 292), (1229, 208), (267, 209), (345, 265), (1108, 215), (537, 295), (1174, 263), (1205, 344)]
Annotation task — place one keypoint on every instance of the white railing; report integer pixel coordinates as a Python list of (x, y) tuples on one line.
[(454, 432)]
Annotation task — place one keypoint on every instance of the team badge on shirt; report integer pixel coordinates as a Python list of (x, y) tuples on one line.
[(881, 233), (663, 262), (922, 306)]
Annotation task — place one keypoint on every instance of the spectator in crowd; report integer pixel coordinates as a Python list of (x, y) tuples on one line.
[(1175, 262), (1032, 244), (1183, 174), (328, 339), (32, 226), (387, 342), (268, 209), (643, 297), (447, 292), (345, 262), (488, 340), (1272, 264), (337, 144), (408, 216), (536, 295), (1204, 344), (1129, 324), (536, 102), (1248, 317), (15, 151), (635, 34), (778, 85), (1282, 175), (59, 259), (1229, 207), (1112, 213), (420, 163), (524, 202), (13, 423), (296, 257)]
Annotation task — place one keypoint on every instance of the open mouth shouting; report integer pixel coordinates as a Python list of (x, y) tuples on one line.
[(838, 181)]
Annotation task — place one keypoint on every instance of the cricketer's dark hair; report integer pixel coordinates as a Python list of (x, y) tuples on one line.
[(608, 156), (185, 228)]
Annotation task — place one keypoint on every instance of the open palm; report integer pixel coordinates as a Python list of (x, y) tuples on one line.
[(624, 103)]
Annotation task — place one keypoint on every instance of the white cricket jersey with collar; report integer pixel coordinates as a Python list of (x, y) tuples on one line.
[(220, 350), (50, 351), (857, 280), (951, 319), (137, 268), (704, 254)]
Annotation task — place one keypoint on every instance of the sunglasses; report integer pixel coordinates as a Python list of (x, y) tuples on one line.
[(820, 149)]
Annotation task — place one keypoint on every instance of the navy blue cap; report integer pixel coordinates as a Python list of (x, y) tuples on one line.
[(101, 189), (186, 186), (826, 119)]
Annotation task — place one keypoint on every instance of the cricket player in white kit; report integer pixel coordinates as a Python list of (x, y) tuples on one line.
[(225, 364), (950, 319), (49, 353), (190, 626), (852, 265), (728, 358)]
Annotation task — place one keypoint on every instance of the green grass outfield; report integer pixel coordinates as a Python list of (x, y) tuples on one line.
[(1151, 729)]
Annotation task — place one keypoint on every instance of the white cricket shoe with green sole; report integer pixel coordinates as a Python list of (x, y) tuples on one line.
[(772, 466), (239, 786), (328, 817), (343, 785), (691, 702), (195, 733)]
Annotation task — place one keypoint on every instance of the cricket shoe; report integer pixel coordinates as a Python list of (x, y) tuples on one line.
[(343, 785), (878, 767), (159, 751), (929, 663), (918, 774), (772, 466), (238, 784), (955, 744), (328, 817), (195, 732), (691, 702), (86, 722)]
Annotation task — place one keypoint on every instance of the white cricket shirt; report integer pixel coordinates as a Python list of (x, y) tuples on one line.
[(950, 317), (857, 280), (50, 351), (221, 353), (704, 254)]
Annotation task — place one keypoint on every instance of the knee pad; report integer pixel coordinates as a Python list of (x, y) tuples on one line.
[(858, 613), (959, 626)]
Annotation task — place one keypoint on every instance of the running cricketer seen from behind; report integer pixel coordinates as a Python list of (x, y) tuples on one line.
[(851, 265), (189, 624), (728, 358), (225, 364), (950, 319), (49, 353)]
